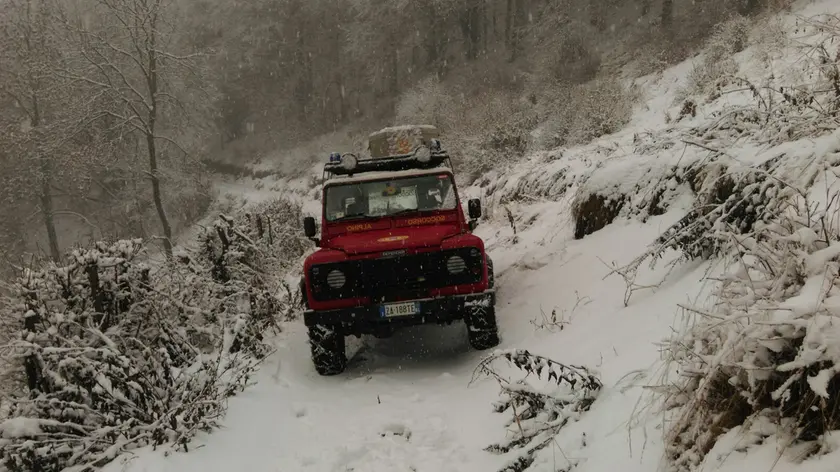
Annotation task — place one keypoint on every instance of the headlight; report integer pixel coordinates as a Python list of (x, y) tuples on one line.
[(456, 265), (336, 279)]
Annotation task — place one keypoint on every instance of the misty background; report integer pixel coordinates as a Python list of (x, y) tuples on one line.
[(117, 115)]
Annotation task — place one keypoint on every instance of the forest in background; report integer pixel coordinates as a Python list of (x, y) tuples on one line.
[(113, 109)]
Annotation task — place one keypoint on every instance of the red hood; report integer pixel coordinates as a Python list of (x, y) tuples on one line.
[(393, 238)]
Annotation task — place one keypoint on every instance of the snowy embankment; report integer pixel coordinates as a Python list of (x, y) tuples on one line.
[(408, 403)]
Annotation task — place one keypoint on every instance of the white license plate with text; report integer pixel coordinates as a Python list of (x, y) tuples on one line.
[(399, 309)]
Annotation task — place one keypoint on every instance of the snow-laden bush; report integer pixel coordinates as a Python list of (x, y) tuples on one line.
[(12, 379), (254, 250), (566, 53), (767, 353), (644, 189), (763, 355), (550, 397), (117, 356), (763, 359), (581, 113), (727, 192), (717, 63)]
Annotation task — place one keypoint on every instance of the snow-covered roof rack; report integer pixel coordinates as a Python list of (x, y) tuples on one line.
[(401, 140), (393, 149)]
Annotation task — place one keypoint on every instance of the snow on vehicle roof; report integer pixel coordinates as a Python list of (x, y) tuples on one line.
[(395, 129), (385, 175)]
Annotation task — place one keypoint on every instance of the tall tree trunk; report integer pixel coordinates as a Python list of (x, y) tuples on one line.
[(667, 14), (45, 197), (47, 208), (509, 14), (485, 22), (495, 21), (518, 17), (471, 30), (433, 43), (151, 145)]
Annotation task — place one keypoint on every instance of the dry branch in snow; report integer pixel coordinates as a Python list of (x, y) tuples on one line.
[(541, 411)]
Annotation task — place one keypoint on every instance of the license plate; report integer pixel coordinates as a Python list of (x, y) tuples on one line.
[(399, 309)]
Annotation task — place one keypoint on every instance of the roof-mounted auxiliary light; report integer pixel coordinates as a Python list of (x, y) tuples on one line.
[(423, 154), (349, 161)]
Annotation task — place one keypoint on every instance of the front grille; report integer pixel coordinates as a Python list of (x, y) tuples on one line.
[(389, 278)]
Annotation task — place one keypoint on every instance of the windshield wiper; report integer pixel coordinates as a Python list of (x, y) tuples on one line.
[(351, 217), (410, 210)]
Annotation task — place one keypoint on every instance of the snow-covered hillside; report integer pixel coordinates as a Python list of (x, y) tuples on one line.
[(409, 403)]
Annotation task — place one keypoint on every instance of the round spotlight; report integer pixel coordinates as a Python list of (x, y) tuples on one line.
[(348, 161), (423, 154)]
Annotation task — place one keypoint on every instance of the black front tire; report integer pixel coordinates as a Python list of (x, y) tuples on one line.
[(482, 329), (327, 346), (491, 274)]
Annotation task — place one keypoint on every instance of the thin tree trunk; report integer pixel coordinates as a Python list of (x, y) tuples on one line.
[(45, 196), (485, 23), (150, 137), (667, 14), (47, 208), (509, 13)]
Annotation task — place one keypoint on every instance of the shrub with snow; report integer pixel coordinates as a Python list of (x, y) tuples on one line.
[(717, 63), (255, 250), (763, 359), (767, 352), (580, 113), (117, 356)]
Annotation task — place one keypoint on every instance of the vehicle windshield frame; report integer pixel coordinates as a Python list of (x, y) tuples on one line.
[(406, 212)]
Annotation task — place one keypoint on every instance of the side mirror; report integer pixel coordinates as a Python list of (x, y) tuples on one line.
[(309, 227), (474, 208)]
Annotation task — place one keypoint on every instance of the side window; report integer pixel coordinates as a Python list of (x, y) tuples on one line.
[(448, 195)]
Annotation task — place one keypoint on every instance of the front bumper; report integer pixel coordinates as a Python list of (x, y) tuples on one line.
[(368, 319)]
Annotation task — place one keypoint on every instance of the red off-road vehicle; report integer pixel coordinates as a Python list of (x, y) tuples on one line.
[(395, 249)]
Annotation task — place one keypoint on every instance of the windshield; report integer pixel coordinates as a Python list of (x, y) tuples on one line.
[(374, 199)]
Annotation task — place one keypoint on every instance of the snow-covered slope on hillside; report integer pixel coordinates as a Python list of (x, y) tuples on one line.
[(407, 403)]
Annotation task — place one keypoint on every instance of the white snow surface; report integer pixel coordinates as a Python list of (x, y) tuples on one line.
[(406, 403)]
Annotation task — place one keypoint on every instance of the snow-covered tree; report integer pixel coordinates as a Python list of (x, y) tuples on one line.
[(150, 81), (43, 130)]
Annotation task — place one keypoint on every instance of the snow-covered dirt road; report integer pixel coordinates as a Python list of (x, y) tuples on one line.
[(406, 403)]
